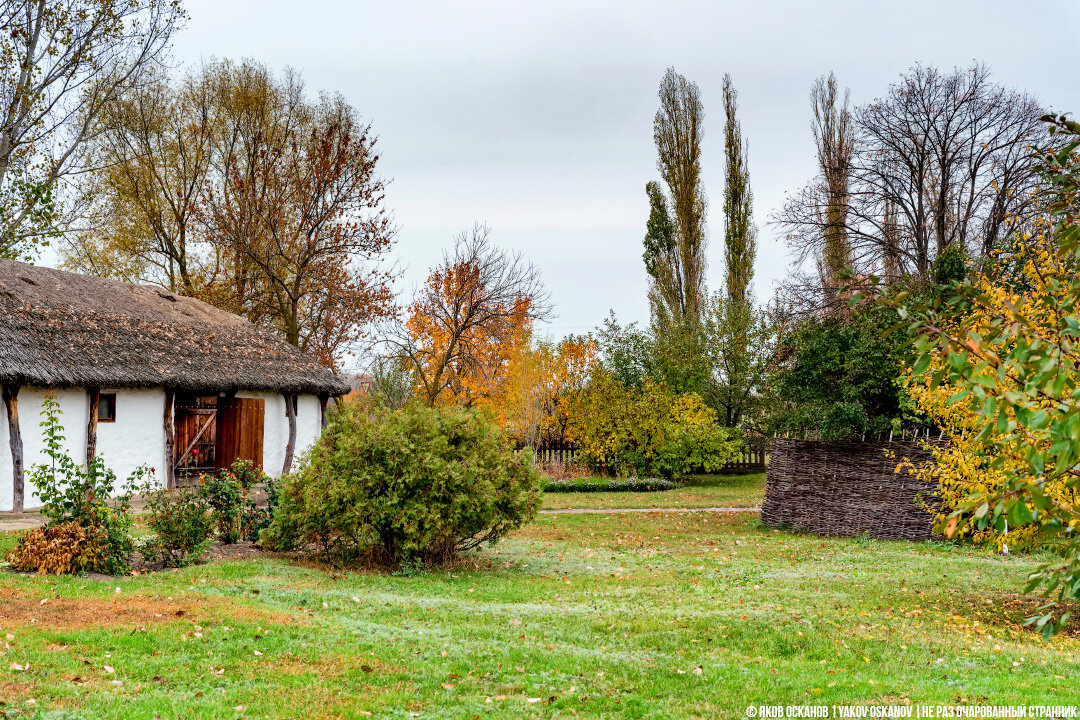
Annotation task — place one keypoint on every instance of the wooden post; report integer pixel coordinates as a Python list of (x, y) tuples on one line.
[(11, 402), (91, 427), (323, 399), (170, 441), (290, 410)]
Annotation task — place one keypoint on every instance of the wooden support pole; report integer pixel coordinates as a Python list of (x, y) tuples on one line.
[(91, 427), (290, 410), (170, 440), (11, 402)]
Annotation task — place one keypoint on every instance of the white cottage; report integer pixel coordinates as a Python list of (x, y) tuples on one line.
[(144, 376)]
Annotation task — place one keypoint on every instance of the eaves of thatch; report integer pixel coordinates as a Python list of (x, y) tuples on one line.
[(63, 330)]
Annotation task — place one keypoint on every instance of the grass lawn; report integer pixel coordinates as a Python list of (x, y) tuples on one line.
[(698, 491), (668, 615)]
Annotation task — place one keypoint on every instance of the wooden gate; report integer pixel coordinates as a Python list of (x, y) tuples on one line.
[(239, 431)]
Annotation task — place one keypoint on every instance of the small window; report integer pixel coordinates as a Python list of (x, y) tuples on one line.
[(107, 407)]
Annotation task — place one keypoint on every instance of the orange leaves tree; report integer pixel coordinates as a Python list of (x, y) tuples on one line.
[(534, 403), (472, 316)]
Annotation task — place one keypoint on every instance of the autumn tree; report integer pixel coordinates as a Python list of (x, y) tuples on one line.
[(534, 401), (999, 368), (61, 63), (473, 314), (675, 240), (153, 154), (295, 209)]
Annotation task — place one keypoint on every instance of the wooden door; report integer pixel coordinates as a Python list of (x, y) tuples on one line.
[(194, 434), (240, 431)]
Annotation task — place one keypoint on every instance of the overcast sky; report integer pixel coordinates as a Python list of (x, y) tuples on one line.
[(536, 118)]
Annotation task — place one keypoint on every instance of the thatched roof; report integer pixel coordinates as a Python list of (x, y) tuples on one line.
[(60, 329)]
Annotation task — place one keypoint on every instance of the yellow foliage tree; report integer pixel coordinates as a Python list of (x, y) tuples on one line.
[(533, 402)]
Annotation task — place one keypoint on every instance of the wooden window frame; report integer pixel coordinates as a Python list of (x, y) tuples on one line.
[(101, 401)]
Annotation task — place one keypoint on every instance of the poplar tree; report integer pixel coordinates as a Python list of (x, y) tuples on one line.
[(676, 240), (835, 142), (740, 235), (734, 332)]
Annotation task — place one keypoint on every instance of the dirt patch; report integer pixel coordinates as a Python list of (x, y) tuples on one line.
[(236, 551), (125, 611)]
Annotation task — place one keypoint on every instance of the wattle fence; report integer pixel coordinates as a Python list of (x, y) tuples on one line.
[(849, 488)]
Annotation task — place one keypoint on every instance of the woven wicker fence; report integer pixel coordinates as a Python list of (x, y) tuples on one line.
[(832, 488)]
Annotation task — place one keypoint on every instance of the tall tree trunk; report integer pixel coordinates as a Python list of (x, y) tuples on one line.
[(11, 402), (290, 410), (170, 440), (91, 427)]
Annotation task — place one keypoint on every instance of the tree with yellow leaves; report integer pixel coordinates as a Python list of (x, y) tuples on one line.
[(533, 403), (999, 367)]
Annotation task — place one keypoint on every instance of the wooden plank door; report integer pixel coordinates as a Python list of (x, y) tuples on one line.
[(240, 431)]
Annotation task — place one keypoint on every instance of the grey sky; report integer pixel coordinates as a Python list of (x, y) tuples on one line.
[(536, 118)]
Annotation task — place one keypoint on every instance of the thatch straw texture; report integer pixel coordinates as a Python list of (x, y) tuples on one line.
[(832, 488), (59, 329)]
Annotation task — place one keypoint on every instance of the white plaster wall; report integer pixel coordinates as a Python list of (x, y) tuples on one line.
[(75, 411), (276, 428), (136, 438)]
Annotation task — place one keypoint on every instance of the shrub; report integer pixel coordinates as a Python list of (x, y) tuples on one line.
[(182, 525), (839, 376), (593, 484), (255, 519), (415, 484), (73, 494), (648, 431), (228, 494), (63, 548), (224, 497)]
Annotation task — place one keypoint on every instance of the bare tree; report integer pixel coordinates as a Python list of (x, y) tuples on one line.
[(61, 62), (476, 303), (943, 159)]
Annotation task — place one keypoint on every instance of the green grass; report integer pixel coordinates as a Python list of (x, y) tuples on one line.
[(698, 491), (670, 615)]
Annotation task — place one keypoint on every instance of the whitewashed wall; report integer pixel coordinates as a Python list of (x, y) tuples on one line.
[(137, 437)]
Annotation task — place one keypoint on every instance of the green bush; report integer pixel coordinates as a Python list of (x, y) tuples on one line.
[(415, 484), (71, 493), (255, 519), (839, 377), (228, 494), (594, 484), (647, 431), (182, 525)]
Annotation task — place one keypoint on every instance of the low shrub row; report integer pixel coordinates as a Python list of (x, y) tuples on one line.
[(594, 484)]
